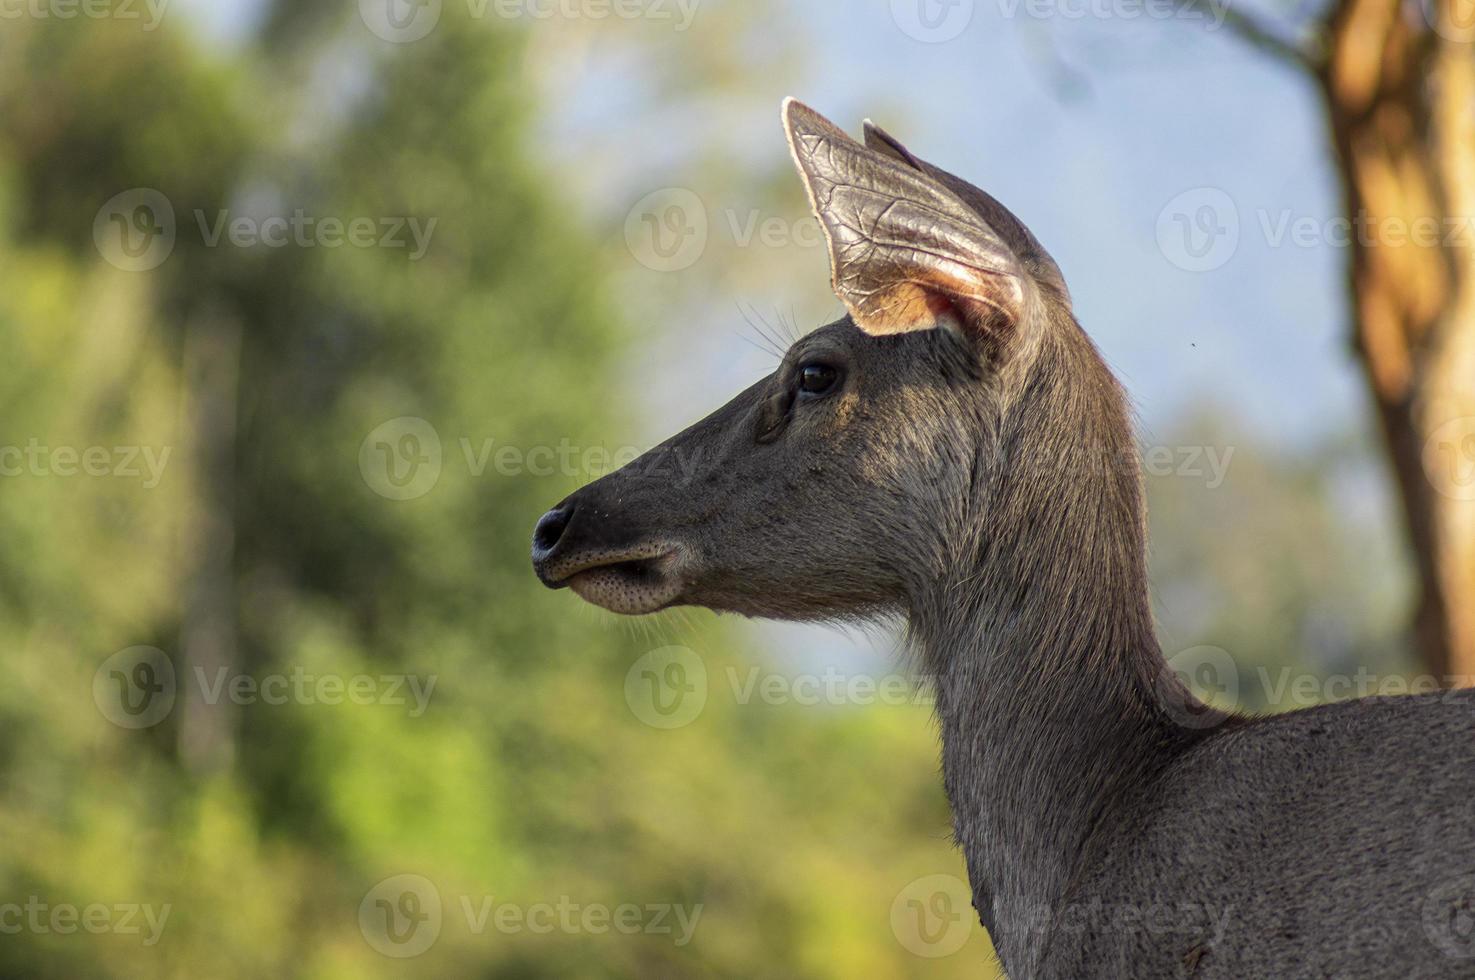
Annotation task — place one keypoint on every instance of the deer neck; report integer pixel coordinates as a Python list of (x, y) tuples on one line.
[(1050, 688)]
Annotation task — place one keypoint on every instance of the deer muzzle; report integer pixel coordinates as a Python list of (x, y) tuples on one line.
[(576, 545)]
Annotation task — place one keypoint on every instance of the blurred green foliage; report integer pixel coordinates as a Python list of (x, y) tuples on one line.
[(269, 547), (265, 549)]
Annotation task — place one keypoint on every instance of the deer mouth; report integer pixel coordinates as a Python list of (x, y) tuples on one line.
[(631, 582)]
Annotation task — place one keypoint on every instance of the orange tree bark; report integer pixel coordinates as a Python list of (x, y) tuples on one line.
[(1397, 78)]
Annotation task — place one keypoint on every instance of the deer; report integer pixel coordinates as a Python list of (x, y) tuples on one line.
[(954, 454)]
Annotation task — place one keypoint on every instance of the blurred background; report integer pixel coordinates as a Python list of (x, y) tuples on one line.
[(312, 309)]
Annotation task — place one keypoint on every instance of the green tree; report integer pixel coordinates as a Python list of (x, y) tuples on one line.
[(283, 381)]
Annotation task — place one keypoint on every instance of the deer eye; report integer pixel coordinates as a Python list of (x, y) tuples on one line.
[(816, 378)]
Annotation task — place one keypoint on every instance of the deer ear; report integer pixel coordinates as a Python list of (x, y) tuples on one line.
[(1022, 242), (906, 252)]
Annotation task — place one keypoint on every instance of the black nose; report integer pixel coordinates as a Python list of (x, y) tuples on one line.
[(550, 529)]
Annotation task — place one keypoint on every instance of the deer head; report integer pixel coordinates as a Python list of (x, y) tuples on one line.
[(863, 472)]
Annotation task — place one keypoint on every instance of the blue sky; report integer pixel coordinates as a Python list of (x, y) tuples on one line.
[(1161, 108)]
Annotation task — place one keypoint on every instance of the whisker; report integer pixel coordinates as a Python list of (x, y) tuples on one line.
[(772, 341)]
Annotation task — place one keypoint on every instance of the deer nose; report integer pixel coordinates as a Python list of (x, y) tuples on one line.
[(550, 528)]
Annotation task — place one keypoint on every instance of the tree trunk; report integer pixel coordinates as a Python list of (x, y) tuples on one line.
[(1399, 85), (207, 730)]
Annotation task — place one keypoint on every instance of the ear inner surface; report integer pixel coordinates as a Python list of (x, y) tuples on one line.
[(904, 248), (1021, 240)]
